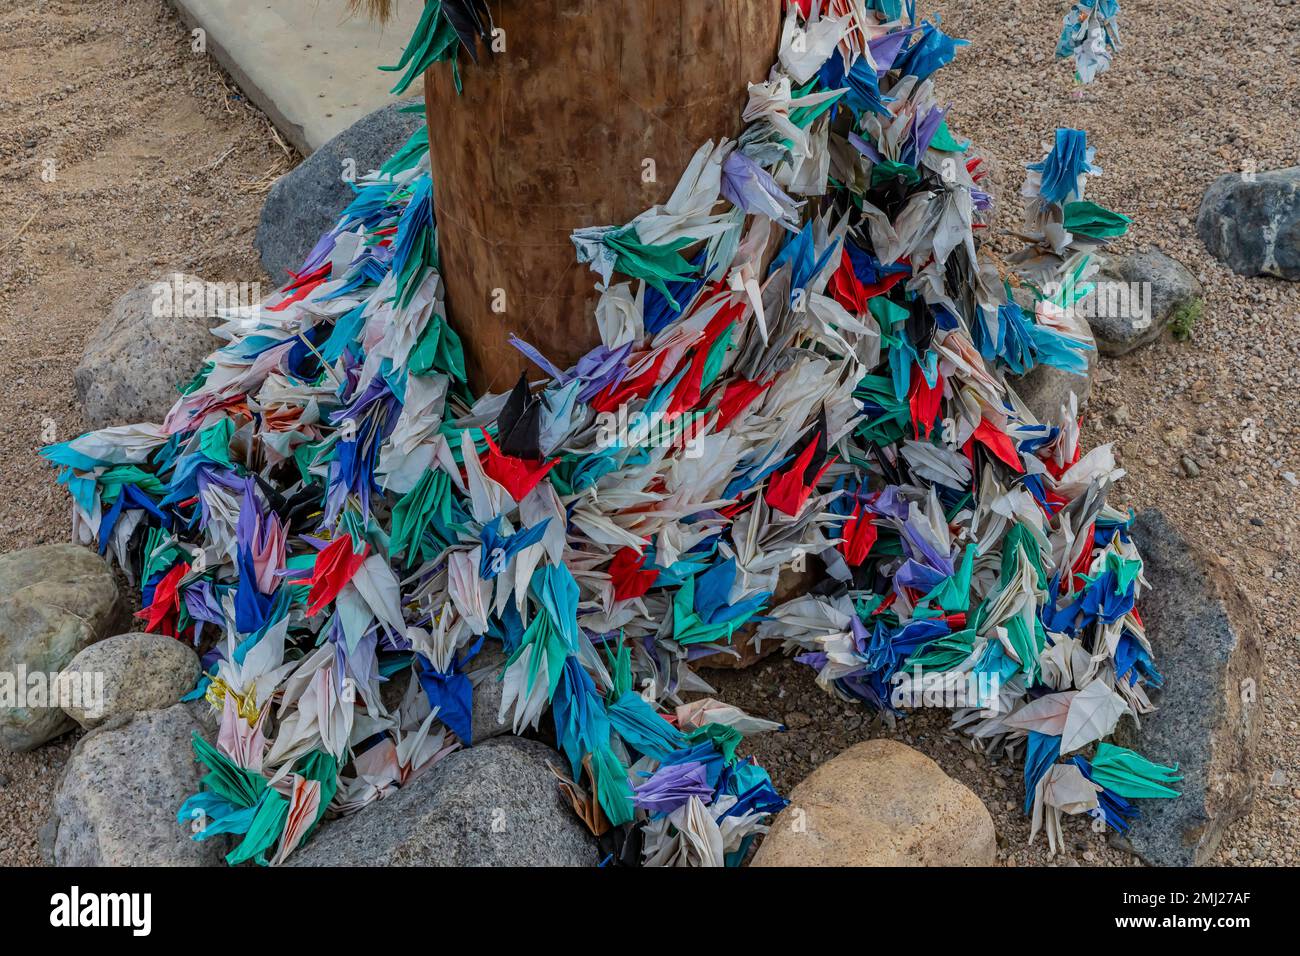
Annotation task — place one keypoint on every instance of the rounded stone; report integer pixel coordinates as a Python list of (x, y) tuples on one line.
[(880, 803), (154, 341), (55, 600), (1252, 222), (495, 804), (124, 783), (1135, 298), (126, 674)]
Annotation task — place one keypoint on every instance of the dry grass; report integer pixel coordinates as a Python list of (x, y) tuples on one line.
[(380, 10)]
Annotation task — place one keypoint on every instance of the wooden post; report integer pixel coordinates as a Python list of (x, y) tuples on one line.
[(558, 132)]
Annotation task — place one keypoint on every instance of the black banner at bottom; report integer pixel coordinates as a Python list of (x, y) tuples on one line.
[(194, 906)]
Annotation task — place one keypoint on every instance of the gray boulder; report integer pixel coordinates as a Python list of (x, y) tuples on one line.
[(1135, 299), (1252, 223), (55, 600), (1206, 645), (306, 202), (154, 341), (496, 804), (134, 672), (123, 785)]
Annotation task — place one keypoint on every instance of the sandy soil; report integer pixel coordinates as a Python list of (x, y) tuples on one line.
[(159, 166)]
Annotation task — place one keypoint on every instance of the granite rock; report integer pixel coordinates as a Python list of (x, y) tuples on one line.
[(496, 804), (120, 793), (55, 600), (136, 672), (155, 339)]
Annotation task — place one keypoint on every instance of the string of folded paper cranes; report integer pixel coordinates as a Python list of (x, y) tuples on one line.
[(329, 501), (1090, 35)]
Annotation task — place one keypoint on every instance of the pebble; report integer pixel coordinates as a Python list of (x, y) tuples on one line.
[(797, 719)]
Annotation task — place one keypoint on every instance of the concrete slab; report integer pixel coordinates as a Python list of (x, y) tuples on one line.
[(304, 63)]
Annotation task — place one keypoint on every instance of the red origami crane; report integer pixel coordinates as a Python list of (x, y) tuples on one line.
[(517, 465), (163, 613), (998, 442), (630, 577), (788, 490), (859, 535), (335, 566)]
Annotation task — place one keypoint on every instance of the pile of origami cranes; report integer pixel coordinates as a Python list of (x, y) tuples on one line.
[(328, 507)]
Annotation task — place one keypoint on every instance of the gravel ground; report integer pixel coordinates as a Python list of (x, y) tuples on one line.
[(160, 166)]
